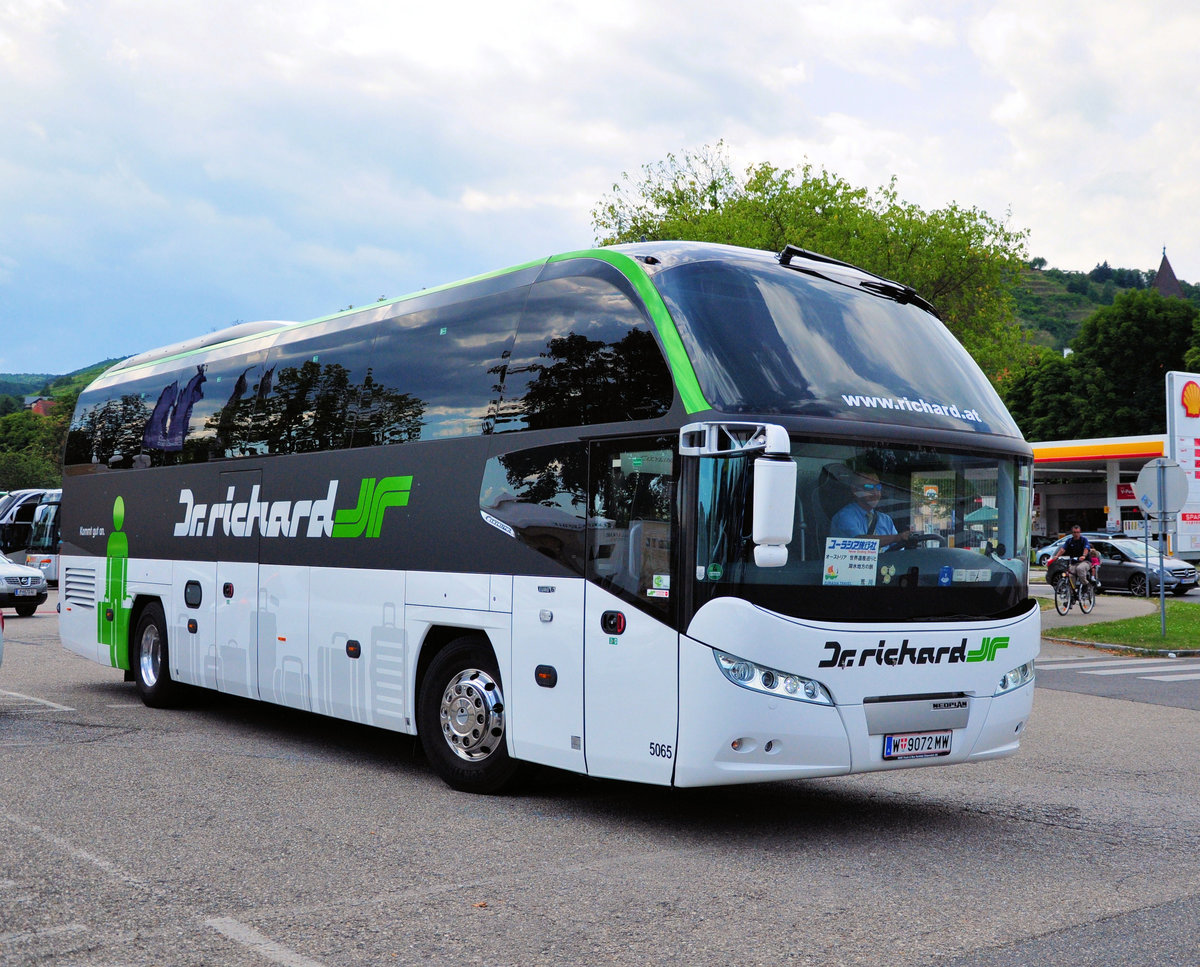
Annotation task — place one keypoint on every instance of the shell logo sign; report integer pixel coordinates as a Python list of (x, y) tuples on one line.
[(1190, 398)]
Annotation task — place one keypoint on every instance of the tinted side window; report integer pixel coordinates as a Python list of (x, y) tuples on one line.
[(630, 513), (585, 354), (539, 496), (306, 393), (142, 424), (445, 365)]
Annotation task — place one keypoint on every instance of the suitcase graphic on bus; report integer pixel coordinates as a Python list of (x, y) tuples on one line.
[(388, 674), (291, 682), (341, 682), (268, 647)]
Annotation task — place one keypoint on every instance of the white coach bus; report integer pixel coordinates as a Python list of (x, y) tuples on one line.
[(668, 512)]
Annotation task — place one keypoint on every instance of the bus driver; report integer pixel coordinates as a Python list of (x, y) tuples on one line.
[(859, 518)]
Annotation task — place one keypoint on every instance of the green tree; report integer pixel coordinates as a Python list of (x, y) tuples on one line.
[(21, 470), (1039, 398), (961, 259), (1112, 385)]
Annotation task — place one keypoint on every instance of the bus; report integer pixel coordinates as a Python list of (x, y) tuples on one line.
[(44, 539), (677, 513)]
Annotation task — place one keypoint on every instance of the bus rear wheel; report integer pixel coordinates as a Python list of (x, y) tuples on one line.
[(151, 670), (460, 719)]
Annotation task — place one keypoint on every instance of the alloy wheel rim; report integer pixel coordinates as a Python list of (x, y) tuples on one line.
[(150, 655), (472, 715)]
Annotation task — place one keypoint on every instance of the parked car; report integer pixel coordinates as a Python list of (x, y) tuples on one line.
[(1123, 567), (21, 588), (1047, 552)]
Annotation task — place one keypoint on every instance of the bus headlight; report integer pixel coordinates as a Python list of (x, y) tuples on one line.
[(1019, 676), (771, 681)]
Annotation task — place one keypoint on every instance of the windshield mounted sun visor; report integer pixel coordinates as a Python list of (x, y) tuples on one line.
[(832, 342)]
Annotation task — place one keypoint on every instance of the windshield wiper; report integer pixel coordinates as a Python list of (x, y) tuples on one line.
[(904, 294)]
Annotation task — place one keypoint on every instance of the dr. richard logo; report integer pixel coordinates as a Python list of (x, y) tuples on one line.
[(299, 518)]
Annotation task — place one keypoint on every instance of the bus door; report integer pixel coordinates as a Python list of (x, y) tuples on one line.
[(235, 653), (631, 649)]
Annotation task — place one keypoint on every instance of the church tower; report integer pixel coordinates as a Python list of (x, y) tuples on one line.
[(1165, 281)]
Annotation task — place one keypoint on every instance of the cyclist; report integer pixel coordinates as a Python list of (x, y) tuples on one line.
[(1079, 550)]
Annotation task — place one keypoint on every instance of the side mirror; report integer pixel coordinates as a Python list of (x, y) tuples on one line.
[(775, 475), (774, 509)]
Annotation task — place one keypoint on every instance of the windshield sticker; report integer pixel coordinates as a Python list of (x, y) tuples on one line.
[(851, 561), (912, 406)]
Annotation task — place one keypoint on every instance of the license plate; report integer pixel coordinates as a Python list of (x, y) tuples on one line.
[(25, 592), (912, 745)]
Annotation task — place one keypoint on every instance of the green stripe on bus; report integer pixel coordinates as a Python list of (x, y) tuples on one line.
[(677, 357)]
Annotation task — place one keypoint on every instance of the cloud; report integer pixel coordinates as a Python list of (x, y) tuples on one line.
[(169, 169)]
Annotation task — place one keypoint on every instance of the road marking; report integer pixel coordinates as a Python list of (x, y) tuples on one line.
[(71, 849), (1173, 678), (39, 701), (1121, 671), (1104, 662), (260, 944)]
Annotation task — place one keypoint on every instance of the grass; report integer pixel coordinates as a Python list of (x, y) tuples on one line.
[(1144, 631)]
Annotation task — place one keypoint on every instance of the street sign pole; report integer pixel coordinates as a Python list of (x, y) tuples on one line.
[(1162, 489), (1162, 585)]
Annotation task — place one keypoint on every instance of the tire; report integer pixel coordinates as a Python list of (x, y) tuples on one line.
[(148, 659), (1062, 595), (1137, 585), (1087, 598), (25, 609), (460, 719)]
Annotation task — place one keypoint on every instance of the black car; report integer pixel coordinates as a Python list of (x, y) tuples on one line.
[(1123, 567)]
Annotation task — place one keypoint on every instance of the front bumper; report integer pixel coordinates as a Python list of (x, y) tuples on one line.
[(758, 738), (9, 599)]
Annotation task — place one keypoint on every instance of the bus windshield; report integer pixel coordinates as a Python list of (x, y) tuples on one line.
[(768, 339), (45, 536), (882, 532)]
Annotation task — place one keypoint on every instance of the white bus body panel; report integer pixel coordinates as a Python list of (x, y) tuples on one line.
[(805, 737), (193, 656), (284, 668), (776, 738), (78, 591), (631, 693), (545, 725), (236, 628)]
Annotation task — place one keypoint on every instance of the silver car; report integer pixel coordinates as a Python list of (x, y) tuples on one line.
[(21, 588), (1124, 567)]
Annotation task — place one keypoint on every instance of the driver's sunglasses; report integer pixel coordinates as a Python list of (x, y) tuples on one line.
[(870, 486)]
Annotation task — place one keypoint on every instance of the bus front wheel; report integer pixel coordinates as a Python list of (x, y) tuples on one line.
[(460, 719), (151, 671)]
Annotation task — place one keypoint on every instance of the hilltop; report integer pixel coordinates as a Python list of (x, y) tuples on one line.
[(1052, 303)]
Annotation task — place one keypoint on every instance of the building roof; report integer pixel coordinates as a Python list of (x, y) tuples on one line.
[(1165, 281)]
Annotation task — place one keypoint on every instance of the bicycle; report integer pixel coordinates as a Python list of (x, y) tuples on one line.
[(1067, 592)]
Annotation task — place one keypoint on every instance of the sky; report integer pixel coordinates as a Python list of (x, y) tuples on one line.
[(171, 168)]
